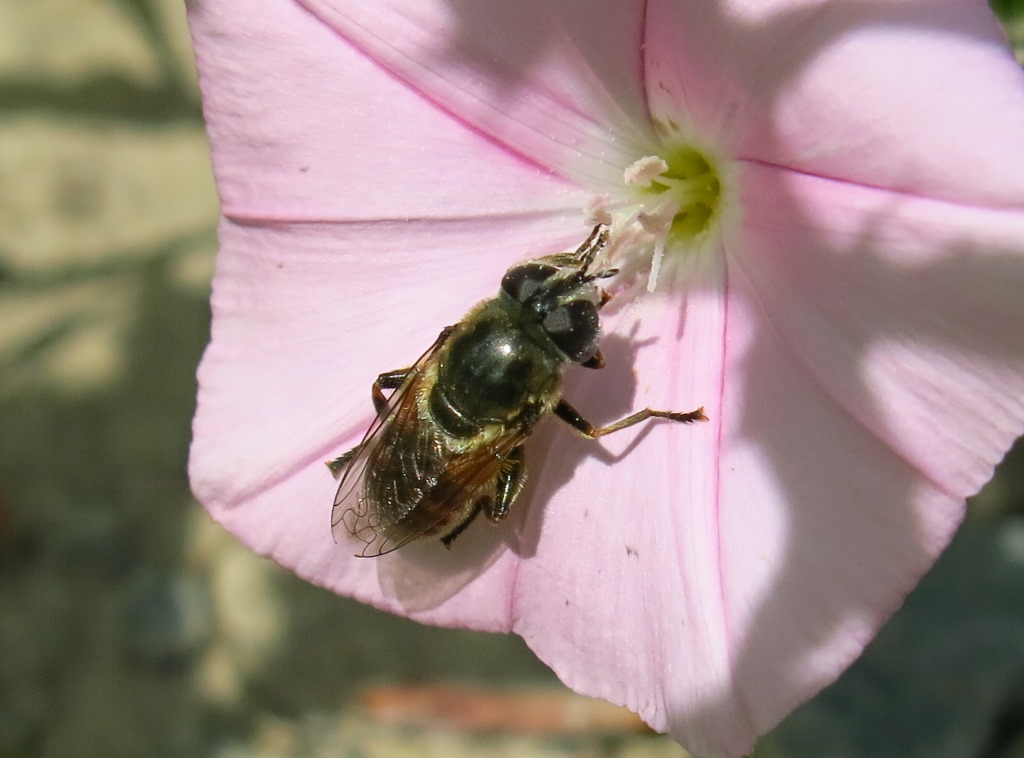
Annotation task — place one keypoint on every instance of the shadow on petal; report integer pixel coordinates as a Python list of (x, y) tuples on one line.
[(424, 574)]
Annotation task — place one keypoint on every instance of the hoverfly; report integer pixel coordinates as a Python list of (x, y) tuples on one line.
[(448, 444)]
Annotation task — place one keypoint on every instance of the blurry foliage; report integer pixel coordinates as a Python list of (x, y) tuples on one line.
[(1008, 10), (1011, 13)]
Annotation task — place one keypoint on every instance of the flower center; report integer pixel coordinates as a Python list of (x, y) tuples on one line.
[(675, 205)]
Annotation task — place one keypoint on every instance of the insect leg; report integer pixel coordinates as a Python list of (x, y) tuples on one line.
[(449, 538), (392, 380), (511, 478), (591, 245), (338, 464), (582, 256), (572, 417), (510, 484), (389, 380)]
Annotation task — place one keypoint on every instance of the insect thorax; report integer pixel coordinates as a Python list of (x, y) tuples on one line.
[(494, 370)]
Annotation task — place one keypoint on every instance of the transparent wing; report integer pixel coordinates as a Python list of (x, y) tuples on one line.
[(353, 513), (417, 485), (445, 490)]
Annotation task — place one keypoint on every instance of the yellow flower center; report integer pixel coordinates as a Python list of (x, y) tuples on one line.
[(676, 204), (689, 181)]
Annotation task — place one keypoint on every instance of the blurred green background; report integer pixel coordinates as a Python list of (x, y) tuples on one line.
[(130, 625)]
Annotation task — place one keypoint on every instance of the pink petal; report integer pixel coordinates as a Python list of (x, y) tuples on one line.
[(305, 317), (874, 375), (622, 596), (303, 127), (306, 314), (552, 82), (823, 530), (922, 97), (859, 356), (877, 357), (908, 310)]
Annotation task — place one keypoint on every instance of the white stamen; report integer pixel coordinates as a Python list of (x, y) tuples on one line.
[(644, 171), (658, 224), (659, 253), (597, 212), (669, 208)]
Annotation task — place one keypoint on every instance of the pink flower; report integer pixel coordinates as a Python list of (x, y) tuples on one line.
[(837, 222)]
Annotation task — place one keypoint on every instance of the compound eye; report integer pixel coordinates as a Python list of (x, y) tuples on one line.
[(523, 281), (575, 328)]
